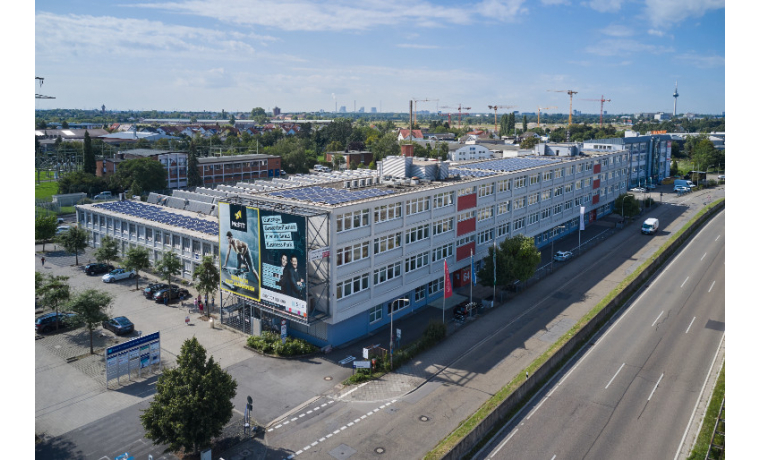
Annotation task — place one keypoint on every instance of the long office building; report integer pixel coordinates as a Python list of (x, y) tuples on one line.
[(366, 243)]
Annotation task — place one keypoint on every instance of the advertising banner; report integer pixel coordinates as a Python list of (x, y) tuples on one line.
[(283, 260), (239, 254)]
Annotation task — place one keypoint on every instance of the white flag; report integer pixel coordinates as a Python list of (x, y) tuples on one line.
[(583, 210)]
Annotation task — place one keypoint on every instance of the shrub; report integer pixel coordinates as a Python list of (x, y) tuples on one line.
[(271, 343)]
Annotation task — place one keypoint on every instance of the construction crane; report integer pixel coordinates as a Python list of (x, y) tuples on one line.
[(539, 112), (40, 96), (601, 112), (495, 108), (415, 106), (459, 109), (570, 93)]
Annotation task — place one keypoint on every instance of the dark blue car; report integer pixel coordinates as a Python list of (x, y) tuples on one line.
[(119, 325)]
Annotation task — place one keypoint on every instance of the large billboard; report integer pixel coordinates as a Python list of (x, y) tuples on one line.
[(274, 245)]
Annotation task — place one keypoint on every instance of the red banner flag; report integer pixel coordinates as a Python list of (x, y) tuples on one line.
[(447, 292)]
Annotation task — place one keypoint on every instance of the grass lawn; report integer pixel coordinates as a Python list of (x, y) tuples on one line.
[(45, 190), (44, 175)]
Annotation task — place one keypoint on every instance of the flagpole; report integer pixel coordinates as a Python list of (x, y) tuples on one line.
[(472, 274), (493, 301)]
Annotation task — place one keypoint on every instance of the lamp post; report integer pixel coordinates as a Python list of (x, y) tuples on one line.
[(391, 342), (560, 227)]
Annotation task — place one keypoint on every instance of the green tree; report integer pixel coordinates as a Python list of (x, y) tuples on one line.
[(80, 181), (259, 115), (335, 146), (193, 176), (626, 204), (39, 279), (137, 258), (135, 189), (674, 168), (207, 274), (232, 120), (108, 250), (45, 226), (54, 292), (73, 240), (193, 401), (516, 260), (169, 265), (705, 155), (88, 165), (90, 307), (337, 160), (528, 143), (386, 145), (148, 174), (525, 123)]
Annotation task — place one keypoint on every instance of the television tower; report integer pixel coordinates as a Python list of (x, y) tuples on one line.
[(675, 99)]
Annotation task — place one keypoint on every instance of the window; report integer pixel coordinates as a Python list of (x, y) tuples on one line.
[(503, 207), (196, 247), (415, 262), (485, 190), (149, 234), (441, 200), (352, 286), (417, 205), (546, 194), (578, 201), (397, 305), (176, 241), (375, 313), (466, 191), (559, 172), (502, 230), (387, 273), (520, 182), (504, 185), (532, 199), (466, 215), (466, 240), (440, 253), (419, 293), (519, 223), (578, 184), (587, 182), (417, 233), (435, 286), (443, 226), (352, 253), (167, 239), (485, 213), (351, 220), (387, 243), (534, 179), (485, 236), (570, 169), (545, 213), (533, 218), (548, 175), (558, 191), (519, 203), (558, 208), (569, 187), (387, 212)]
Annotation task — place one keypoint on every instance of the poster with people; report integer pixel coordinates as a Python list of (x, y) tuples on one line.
[(283, 260), (239, 253)]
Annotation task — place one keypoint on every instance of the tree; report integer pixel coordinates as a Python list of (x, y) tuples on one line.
[(137, 258), (90, 307), (232, 120), (525, 123), (54, 292), (674, 168), (528, 143), (207, 274), (73, 240), (64, 124), (80, 181), (337, 160), (516, 260), (335, 146), (168, 266), (89, 156), (45, 226), (626, 204), (705, 155), (193, 176), (386, 145), (108, 250), (148, 174), (193, 401)]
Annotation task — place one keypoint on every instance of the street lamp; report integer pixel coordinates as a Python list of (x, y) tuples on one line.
[(560, 227), (391, 342)]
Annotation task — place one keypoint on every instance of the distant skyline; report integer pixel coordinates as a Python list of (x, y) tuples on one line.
[(310, 55)]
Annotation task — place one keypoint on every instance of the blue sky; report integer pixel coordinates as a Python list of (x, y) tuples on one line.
[(308, 55)]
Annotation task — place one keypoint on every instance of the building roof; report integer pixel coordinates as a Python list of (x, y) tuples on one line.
[(231, 158)]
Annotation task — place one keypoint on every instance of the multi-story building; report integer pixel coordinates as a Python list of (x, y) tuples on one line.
[(175, 164), (225, 169), (367, 242), (648, 156)]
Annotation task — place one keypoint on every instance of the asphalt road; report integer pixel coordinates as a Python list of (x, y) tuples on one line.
[(631, 395)]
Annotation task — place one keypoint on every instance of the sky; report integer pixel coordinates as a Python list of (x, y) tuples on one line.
[(299, 55)]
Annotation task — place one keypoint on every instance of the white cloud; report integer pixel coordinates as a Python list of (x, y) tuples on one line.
[(416, 46), (664, 12), (702, 61), (657, 33), (555, 2), (504, 10), (625, 47), (615, 30), (605, 6)]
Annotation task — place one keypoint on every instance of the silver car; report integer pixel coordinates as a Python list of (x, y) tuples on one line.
[(118, 274)]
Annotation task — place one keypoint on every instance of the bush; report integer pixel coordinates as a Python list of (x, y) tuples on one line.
[(271, 343)]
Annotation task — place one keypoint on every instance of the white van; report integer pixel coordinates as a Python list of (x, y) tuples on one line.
[(650, 226)]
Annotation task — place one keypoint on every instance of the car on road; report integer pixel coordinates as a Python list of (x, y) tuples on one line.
[(153, 288), (97, 268), (638, 189), (120, 325), (118, 274), (46, 323), (560, 256), (681, 189), (173, 294)]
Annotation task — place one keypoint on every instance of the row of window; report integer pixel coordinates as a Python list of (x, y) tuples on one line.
[(435, 286)]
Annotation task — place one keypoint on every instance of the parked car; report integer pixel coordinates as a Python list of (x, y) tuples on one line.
[(681, 189), (560, 256), (119, 325), (97, 268), (722, 177), (46, 322), (638, 189), (62, 229), (118, 274), (103, 196), (153, 288), (174, 293)]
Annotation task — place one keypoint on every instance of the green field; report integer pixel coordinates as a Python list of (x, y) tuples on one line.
[(45, 190)]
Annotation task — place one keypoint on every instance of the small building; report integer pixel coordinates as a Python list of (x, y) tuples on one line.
[(352, 156)]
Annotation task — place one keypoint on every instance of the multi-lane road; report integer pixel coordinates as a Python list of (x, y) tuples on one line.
[(632, 394)]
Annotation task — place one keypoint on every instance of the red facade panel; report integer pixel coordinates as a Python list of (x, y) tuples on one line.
[(597, 183), (464, 252), (597, 169), (467, 202), (595, 199), (461, 277), (465, 226)]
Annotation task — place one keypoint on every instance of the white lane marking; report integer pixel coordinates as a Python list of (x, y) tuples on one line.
[(684, 281), (357, 420), (322, 439), (278, 426), (302, 415), (655, 387), (299, 452), (350, 424), (294, 419), (309, 412), (613, 377), (336, 431), (692, 322), (703, 257), (343, 428), (658, 318), (350, 391), (504, 442), (306, 448), (711, 286), (363, 417), (555, 456), (285, 423), (314, 443), (328, 436), (534, 410), (369, 413), (717, 238)]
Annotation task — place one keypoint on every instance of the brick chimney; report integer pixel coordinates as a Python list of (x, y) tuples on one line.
[(407, 150)]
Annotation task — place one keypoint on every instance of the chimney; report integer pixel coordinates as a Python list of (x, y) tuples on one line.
[(407, 150)]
